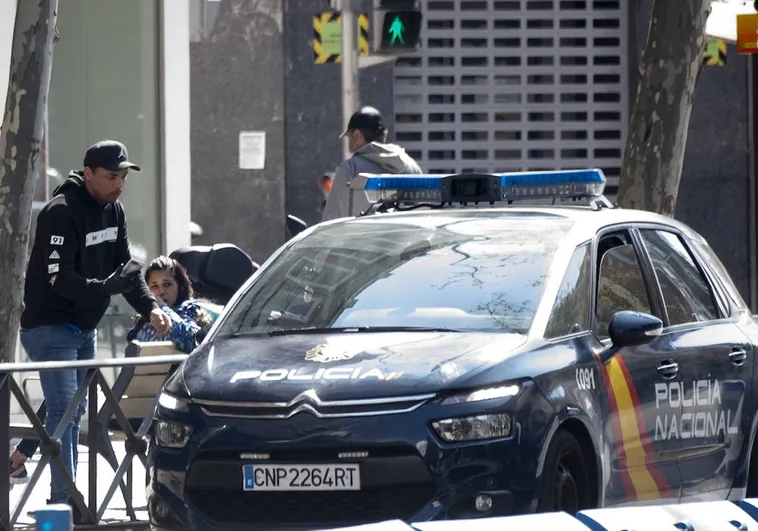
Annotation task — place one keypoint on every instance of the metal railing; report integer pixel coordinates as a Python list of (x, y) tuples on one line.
[(97, 439)]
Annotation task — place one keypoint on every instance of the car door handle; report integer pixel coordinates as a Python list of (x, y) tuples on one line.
[(738, 356), (668, 369)]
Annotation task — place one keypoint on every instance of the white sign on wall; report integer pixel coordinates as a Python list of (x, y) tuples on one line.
[(252, 150)]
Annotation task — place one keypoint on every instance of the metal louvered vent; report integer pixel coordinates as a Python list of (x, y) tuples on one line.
[(512, 85)]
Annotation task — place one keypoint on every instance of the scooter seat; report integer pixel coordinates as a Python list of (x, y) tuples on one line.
[(216, 271)]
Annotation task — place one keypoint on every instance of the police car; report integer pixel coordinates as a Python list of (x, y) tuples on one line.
[(456, 353)]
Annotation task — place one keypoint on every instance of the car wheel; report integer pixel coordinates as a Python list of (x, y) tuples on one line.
[(565, 481)]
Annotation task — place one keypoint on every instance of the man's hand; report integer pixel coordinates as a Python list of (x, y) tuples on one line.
[(117, 284), (161, 322)]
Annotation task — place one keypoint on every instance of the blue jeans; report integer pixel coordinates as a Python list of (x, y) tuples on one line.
[(28, 447), (61, 343)]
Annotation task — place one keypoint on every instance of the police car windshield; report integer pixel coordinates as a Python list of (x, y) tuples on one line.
[(481, 272)]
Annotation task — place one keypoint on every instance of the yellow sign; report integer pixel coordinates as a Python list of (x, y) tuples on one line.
[(747, 33), (715, 52), (327, 37)]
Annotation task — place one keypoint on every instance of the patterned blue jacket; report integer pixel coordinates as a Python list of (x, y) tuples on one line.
[(185, 326)]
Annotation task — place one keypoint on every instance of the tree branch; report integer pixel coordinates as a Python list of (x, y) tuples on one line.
[(20, 144)]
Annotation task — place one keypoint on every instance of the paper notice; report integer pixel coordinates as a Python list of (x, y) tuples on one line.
[(252, 150)]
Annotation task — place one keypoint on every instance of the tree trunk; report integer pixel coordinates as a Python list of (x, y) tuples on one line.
[(20, 141), (673, 56)]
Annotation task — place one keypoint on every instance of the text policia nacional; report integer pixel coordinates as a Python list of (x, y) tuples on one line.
[(692, 410)]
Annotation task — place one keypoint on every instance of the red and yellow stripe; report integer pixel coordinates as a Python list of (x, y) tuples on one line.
[(641, 477)]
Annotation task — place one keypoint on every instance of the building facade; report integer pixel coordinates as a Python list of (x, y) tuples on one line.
[(120, 71), (253, 72), (497, 85), (503, 85)]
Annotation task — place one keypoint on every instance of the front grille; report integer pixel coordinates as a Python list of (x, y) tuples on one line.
[(388, 502), (213, 458), (309, 402)]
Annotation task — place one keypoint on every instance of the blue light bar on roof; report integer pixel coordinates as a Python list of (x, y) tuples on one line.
[(487, 187), (405, 188)]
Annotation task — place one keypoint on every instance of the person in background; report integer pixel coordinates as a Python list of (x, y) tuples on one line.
[(170, 285), (367, 136), (79, 260)]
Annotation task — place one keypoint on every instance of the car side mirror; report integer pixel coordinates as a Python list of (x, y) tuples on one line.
[(195, 230), (295, 225), (629, 329)]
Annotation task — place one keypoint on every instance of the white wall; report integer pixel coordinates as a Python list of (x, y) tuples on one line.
[(7, 20), (175, 130), (175, 112)]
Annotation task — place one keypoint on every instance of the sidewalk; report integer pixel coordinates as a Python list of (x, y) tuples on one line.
[(116, 511)]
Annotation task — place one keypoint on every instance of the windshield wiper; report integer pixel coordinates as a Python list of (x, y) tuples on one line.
[(358, 329)]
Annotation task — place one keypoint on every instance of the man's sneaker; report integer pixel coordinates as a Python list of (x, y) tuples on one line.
[(18, 475)]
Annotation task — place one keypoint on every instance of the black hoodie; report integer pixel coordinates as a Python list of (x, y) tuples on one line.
[(77, 245)]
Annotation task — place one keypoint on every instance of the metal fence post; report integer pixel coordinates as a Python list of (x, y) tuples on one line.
[(51, 518), (92, 442), (5, 422)]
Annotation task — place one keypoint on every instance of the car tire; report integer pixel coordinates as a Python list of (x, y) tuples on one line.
[(565, 484)]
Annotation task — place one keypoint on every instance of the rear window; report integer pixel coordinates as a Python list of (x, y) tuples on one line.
[(712, 260), (486, 273)]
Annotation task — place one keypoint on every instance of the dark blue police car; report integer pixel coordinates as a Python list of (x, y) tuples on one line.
[(447, 362)]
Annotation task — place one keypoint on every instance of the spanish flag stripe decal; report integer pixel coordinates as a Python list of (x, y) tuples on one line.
[(658, 476), (626, 480), (636, 460)]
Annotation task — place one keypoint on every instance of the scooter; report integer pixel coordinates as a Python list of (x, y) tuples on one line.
[(218, 271)]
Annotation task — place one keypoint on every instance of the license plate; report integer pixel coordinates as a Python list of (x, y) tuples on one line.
[(301, 477)]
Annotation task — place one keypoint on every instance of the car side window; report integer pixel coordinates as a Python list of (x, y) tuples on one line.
[(686, 292), (620, 286), (571, 310), (711, 259)]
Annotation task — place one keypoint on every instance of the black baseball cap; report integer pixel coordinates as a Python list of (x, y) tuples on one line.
[(109, 154), (366, 119)]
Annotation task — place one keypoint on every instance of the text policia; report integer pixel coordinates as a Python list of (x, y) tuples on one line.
[(693, 410)]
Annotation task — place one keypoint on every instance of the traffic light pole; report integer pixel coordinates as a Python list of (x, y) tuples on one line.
[(349, 65)]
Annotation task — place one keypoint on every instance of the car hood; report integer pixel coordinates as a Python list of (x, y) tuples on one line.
[(341, 366)]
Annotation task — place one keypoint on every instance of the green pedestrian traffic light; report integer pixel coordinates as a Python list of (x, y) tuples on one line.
[(401, 32), (396, 31)]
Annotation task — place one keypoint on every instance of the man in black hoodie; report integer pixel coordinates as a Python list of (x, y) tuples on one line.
[(76, 265)]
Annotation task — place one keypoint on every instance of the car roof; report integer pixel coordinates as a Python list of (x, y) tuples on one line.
[(586, 221)]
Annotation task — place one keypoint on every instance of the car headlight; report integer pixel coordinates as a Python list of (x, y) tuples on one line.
[(486, 393), (173, 403), (172, 434), (474, 428), (175, 384)]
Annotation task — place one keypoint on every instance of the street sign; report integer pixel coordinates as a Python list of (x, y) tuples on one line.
[(747, 33), (715, 52), (327, 37)]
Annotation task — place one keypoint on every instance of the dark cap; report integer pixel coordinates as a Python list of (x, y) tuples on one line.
[(110, 155), (366, 119)]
